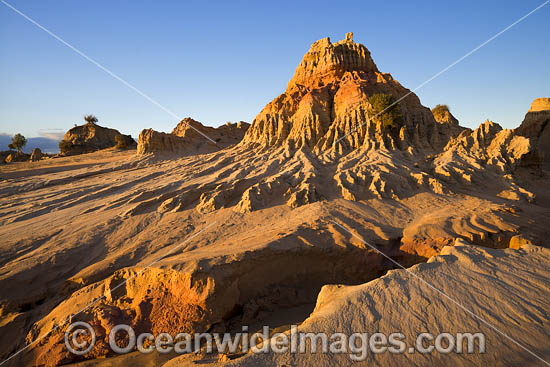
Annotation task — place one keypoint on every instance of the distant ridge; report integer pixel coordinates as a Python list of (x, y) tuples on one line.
[(46, 145)]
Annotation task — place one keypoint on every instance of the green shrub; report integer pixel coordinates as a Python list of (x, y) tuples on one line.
[(440, 109), (385, 110), (90, 119)]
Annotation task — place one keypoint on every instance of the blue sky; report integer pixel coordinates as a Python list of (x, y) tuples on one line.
[(223, 61)]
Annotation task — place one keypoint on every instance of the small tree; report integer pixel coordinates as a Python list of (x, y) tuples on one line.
[(17, 142), (91, 119), (387, 112), (121, 143)]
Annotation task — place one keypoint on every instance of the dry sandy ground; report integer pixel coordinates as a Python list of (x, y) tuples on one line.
[(507, 289), (74, 228)]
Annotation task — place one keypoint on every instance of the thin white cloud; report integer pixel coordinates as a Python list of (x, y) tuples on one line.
[(54, 134)]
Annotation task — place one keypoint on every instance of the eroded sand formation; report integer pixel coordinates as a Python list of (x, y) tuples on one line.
[(91, 137), (402, 301), (191, 137), (76, 228)]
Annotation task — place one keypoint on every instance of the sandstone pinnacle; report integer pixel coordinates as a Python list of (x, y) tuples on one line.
[(326, 106)]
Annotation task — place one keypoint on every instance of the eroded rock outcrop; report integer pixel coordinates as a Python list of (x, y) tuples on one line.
[(91, 137), (191, 137), (536, 127), (325, 106), (224, 135), (36, 155), (3, 155), (151, 141), (489, 149), (489, 144), (10, 156), (453, 293), (540, 104), (148, 300)]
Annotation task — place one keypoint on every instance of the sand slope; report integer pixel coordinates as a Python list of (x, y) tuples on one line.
[(76, 226), (507, 288)]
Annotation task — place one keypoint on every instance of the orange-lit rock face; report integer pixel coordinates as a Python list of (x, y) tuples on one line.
[(540, 104), (536, 127), (326, 99), (326, 62), (149, 301)]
